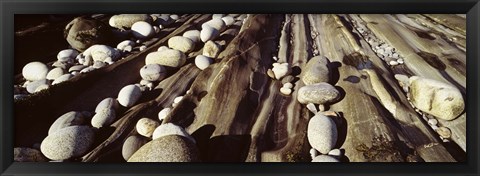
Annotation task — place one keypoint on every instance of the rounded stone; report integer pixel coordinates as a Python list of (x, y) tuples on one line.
[(163, 48), (217, 16), (313, 153), (193, 35), (285, 91), (316, 71), (211, 49), (23, 154), (67, 55), (123, 21), (432, 122), (34, 71), (169, 57), (33, 86), (129, 95), (335, 152), (102, 53), (104, 117), (146, 126), (163, 113), (153, 72), (288, 85), (281, 69), (202, 62), (439, 99), (444, 132), (171, 129), (72, 118), (131, 145), (174, 17), (69, 142), (62, 78), (98, 64), (325, 158), (171, 148), (76, 68), (319, 93), (208, 33), (126, 45), (322, 133), (142, 30), (82, 33), (228, 20), (182, 44), (55, 73), (216, 23)]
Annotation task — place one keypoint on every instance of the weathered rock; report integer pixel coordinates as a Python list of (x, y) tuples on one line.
[(170, 58), (62, 78), (82, 33), (72, 118), (102, 53), (69, 142), (325, 158), (211, 49), (153, 72), (208, 33), (319, 93), (171, 129), (104, 117), (67, 55), (131, 145), (129, 95), (123, 21), (202, 62), (146, 126), (34, 71), (55, 73), (216, 23), (316, 71), (142, 30), (193, 35), (32, 87), (171, 148), (322, 133), (436, 98), (22, 154), (281, 69), (182, 44)]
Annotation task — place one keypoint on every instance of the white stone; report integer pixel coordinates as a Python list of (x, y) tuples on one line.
[(122, 21), (313, 153), (156, 29), (129, 95), (101, 53), (178, 99), (316, 71), (174, 17), (103, 117), (432, 122), (71, 118), (153, 72), (146, 126), (87, 69), (163, 48), (208, 33), (202, 62), (98, 64), (182, 44), (163, 113), (288, 85), (335, 152), (55, 73), (228, 20), (211, 49), (32, 87), (325, 158), (193, 35), (281, 70), (67, 55), (322, 133), (400, 61), (170, 58), (285, 91), (142, 30), (69, 142), (143, 47), (42, 87), (393, 63), (312, 108), (34, 71), (62, 78), (171, 129), (107, 103), (122, 46), (217, 16)]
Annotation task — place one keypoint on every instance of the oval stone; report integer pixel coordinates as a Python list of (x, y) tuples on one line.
[(131, 145), (153, 72), (216, 23), (107, 103), (325, 158), (34, 71), (32, 87), (182, 44), (55, 73), (322, 133), (82, 33), (146, 126), (71, 118), (319, 93), (123, 21), (193, 35), (129, 95), (103, 118), (211, 49), (142, 30), (171, 129), (102, 53), (171, 148), (169, 57), (67, 55), (62, 78), (69, 142), (208, 33), (316, 71), (202, 62)]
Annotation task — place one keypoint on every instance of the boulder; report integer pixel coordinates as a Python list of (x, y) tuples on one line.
[(34, 71), (322, 133), (319, 93), (169, 57), (146, 126), (69, 142), (82, 33), (171, 148), (316, 71)]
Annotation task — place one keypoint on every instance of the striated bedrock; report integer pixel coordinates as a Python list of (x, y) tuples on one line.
[(436, 98), (316, 71), (171, 148)]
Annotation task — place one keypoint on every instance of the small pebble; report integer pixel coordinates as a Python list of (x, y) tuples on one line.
[(288, 85), (163, 113), (312, 108), (143, 47), (444, 132), (178, 99), (335, 152), (432, 122), (393, 63), (400, 61), (202, 62), (313, 153), (270, 73), (321, 108), (285, 91)]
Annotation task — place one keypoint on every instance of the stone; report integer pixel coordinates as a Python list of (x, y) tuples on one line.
[(144, 82), (69, 142), (285, 91), (436, 98), (228, 20), (217, 16), (143, 47), (146, 126), (142, 30), (34, 71), (393, 63), (288, 85), (322, 133), (87, 69), (42, 87), (67, 55), (72, 118), (287, 79), (103, 118), (325, 158), (313, 153), (169, 57), (62, 65), (174, 17), (55, 73), (312, 108), (98, 64), (217, 24), (23, 154), (81, 33), (319, 93), (208, 33), (211, 49), (444, 132), (62, 78), (32, 87), (335, 152), (163, 113), (162, 48), (316, 71), (126, 45), (76, 68), (162, 19), (178, 99), (400, 61), (202, 62), (171, 129), (129, 95), (281, 70), (131, 145), (153, 72), (171, 148), (182, 44), (432, 122), (102, 53), (193, 35), (403, 80), (123, 21)]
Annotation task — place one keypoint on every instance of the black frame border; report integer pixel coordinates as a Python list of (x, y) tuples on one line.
[(9, 7)]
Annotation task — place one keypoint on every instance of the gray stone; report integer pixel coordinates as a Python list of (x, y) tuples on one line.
[(325, 158), (22, 154), (169, 57), (72, 118), (172, 148), (55, 73), (82, 33), (123, 21), (319, 93), (69, 142), (32, 87), (208, 33), (322, 133), (131, 145), (103, 118), (107, 103), (153, 72), (34, 71), (316, 71), (62, 78), (171, 129)]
